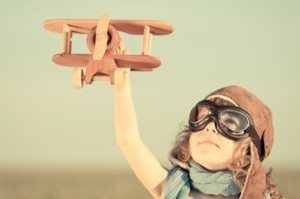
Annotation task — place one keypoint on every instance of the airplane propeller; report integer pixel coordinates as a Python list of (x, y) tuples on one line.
[(97, 60), (101, 37)]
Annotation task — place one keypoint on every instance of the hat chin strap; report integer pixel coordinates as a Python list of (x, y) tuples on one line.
[(224, 98), (255, 183)]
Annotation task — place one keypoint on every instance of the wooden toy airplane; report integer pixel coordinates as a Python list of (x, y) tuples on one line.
[(107, 48)]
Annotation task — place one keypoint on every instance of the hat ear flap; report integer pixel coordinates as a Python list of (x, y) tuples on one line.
[(255, 183), (242, 149)]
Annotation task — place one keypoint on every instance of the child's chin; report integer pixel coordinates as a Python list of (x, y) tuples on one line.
[(210, 163)]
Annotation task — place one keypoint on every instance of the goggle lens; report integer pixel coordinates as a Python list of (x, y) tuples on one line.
[(235, 121), (199, 114)]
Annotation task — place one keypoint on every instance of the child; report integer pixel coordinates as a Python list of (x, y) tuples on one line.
[(218, 155)]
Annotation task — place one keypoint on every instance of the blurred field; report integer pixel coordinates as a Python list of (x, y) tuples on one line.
[(97, 184)]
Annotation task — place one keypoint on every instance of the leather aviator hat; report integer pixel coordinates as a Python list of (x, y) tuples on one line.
[(255, 184)]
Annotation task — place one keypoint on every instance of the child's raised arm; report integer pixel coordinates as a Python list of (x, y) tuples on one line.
[(145, 166)]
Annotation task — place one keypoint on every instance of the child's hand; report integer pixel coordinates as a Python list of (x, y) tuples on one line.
[(122, 78)]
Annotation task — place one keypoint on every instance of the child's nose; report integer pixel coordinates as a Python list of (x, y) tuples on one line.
[(211, 127)]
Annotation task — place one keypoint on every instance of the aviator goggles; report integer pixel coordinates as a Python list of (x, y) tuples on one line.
[(232, 122)]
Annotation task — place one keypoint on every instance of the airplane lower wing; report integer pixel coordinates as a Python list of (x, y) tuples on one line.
[(137, 62), (72, 60)]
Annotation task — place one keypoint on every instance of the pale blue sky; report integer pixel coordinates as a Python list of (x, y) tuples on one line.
[(45, 122)]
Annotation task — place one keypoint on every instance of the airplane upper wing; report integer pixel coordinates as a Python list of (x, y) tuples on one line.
[(135, 27)]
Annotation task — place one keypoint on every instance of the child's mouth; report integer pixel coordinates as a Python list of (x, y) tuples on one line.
[(209, 143)]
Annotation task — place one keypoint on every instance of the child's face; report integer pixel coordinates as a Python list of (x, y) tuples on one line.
[(210, 149)]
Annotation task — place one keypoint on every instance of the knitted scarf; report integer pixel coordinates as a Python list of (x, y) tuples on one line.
[(181, 181)]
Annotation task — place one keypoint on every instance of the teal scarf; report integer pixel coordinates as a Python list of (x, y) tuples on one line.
[(180, 182)]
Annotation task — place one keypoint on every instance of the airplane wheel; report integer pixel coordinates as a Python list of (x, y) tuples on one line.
[(77, 77), (119, 78)]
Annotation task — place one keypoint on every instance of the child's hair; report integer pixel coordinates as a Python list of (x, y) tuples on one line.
[(239, 164)]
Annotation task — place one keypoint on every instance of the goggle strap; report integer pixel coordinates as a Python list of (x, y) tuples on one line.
[(256, 140)]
